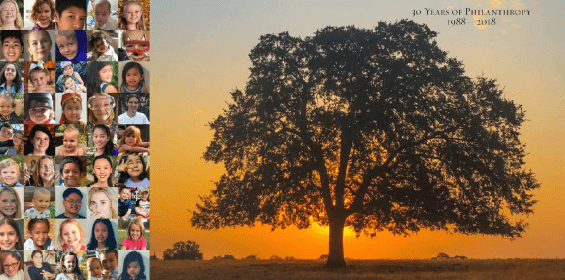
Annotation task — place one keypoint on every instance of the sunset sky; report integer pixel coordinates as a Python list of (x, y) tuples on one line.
[(199, 56)]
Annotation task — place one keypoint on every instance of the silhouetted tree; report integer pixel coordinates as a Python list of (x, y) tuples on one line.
[(370, 129), (188, 250)]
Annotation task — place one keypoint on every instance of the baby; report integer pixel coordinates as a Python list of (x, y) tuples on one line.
[(70, 86), (103, 17), (41, 202), (94, 266), (100, 44), (70, 142)]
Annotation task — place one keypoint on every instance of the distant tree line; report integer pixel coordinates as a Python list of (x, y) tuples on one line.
[(182, 250)]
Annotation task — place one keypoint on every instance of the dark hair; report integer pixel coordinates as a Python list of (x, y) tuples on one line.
[(70, 191), (32, 222), (133, 95), (109, 149), (11, 222), (98, 35), (36, 252), (111, 242), (62, 5), (14, 254), (6, 125), (71, 159), (12, 33), (28, 148), (125, 70), (93, 81), (17, 81), (133, 256), (109, 177), (124, 176), (76, 270)]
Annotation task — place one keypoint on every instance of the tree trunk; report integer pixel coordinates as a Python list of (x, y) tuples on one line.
[(335, 256)]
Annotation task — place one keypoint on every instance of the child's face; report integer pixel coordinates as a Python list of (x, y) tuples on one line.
[(73, 18), (40, 113), (124, 194), (133, 268), (100, 138), (102, 170), (71, 235), (68, 70), (44, 16), (70, 141), (71, 175), (137, 45), (100, 204), (10, 72), (106, 73), (46, 169), (101, 13), (133, 103), (70, 263), (95, 269), (39, 45), (5, 107), (8, 204), (12, 48), (40, 142), (143, 196), (8, 237), (131, 139), (68, 46), (11, 266), (109, 260), (10, 175), (101, 232), (132, 13), (39, 234), (41, 202), (102, 113), (37, 259), (135, 232), (134, 166), (133, 77), (5, 134), (18, 139), (72, 109), (101, 46), (8, 13), (39, 80), (70, 83), (72, 203)]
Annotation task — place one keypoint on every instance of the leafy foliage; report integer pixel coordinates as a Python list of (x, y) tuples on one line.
[(181, 250)]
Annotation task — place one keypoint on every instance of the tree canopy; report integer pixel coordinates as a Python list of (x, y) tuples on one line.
[(369, 129), (181, 250)]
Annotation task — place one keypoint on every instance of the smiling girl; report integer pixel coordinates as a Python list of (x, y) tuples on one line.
[(10, 238), (11, 79), (102, 139), (103, 171), (69, 267), (40, 141), (38, 232), (71, 235), (44, 175), (10, 204), (12, 266), (135, 239), (133, 170), (131, 141), (10, 17), (99, 77), (43, 15), (102, 236)]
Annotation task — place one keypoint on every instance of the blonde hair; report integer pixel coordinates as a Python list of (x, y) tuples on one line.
[(8, 97), (74, 222), (70, 34), (139, 223), (123, 24), (92, 118), (111, 196), (41, 191), (129, 131), (37, 177), (72, 128), (18, 214), (31, 58), (37, 69), (19, 23), (9, 162)]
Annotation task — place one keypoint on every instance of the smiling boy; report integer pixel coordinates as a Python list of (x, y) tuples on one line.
[(132, 116), (12, 45), (72, 201)]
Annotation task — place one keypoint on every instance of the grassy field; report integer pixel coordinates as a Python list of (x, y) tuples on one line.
[(360, 269)]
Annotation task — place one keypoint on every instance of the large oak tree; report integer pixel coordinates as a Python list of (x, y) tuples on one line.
[(368, 129)]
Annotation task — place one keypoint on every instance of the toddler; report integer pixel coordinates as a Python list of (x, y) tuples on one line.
[(9, 173), (135, 239), (18, 148), (69, 267), (70, 15), (131, 141), (40, 78), (133, 78), (43, 14), (70, 86), (142, 205), (68, 70), (41, 202), (70, 142), (124, 203), (9, 111), (102, 16), (11, 18), (40, 270), (109, 260), (40, 109), (133, 268), (94, 267), (5, 138), (38, 232), (100, 44), (136, 45), (71, 236), (10, 238), (132, 17)]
